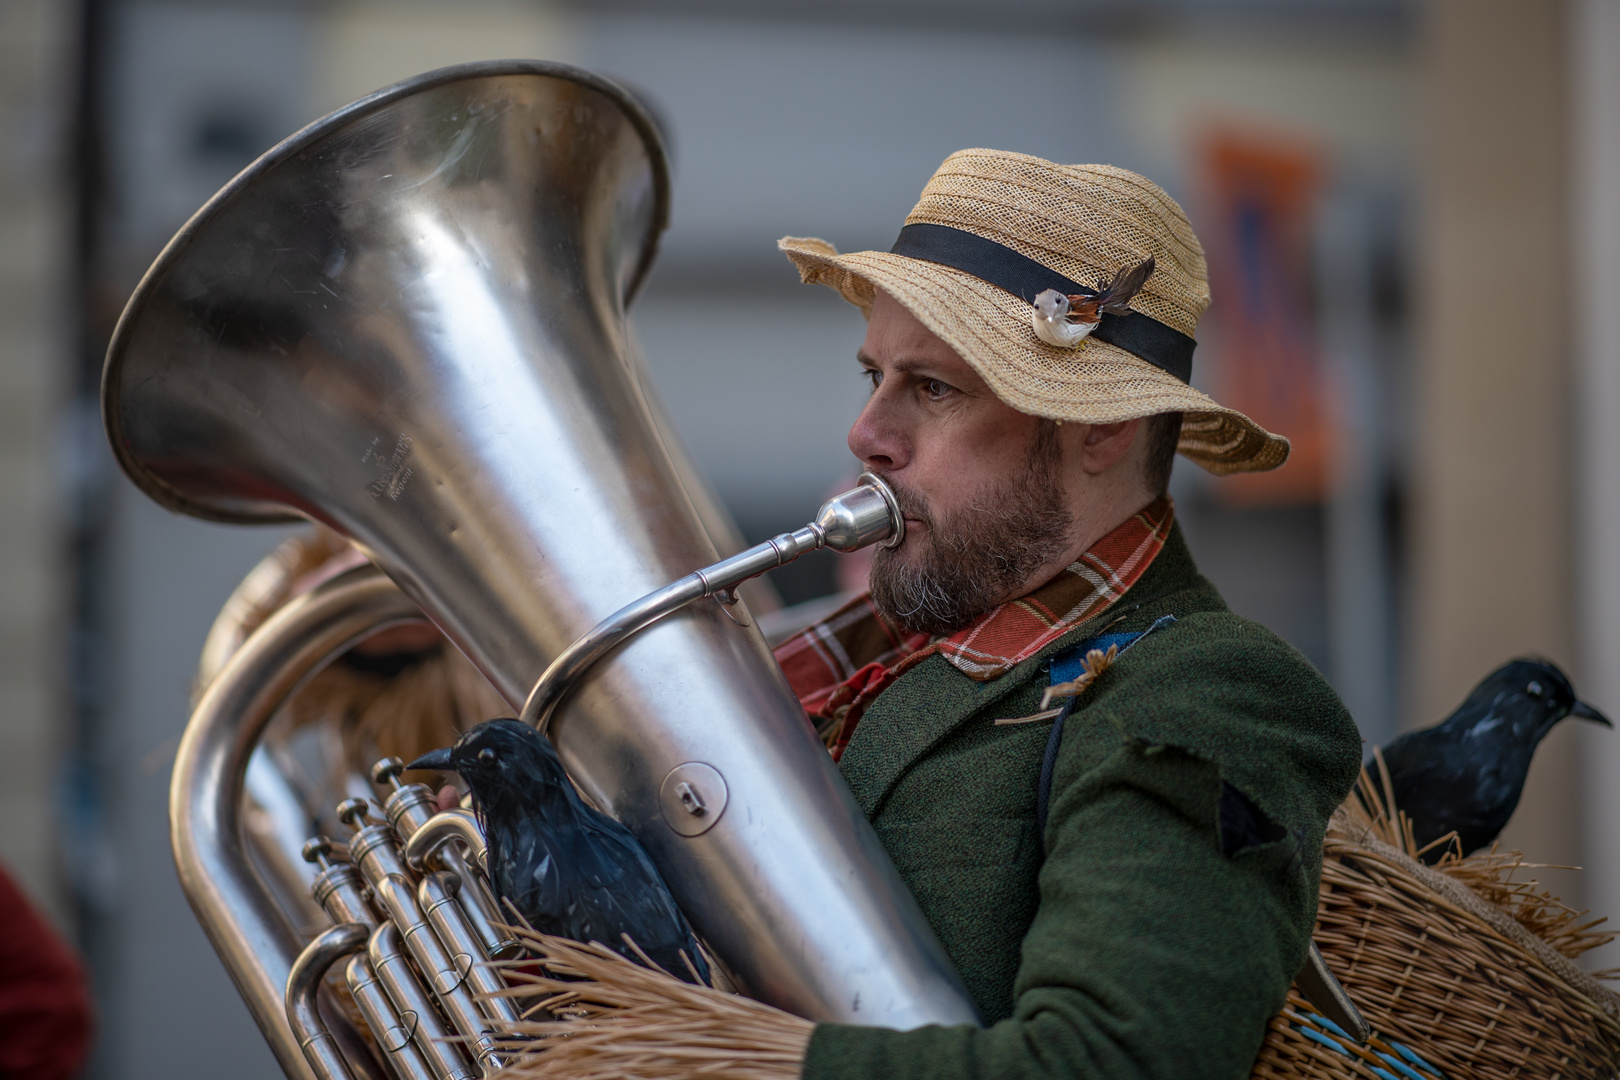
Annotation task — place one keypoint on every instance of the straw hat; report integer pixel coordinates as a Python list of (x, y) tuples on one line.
[(992, 231)]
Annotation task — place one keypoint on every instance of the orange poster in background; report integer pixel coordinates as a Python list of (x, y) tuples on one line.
[(1258, 206)]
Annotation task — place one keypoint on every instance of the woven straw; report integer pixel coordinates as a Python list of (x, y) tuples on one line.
[(1087, 222), (1466, 968)]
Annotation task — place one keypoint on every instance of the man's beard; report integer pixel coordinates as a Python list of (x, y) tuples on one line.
[(976, 557)]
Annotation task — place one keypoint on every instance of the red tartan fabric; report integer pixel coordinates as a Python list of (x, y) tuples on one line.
[(839, 665), (817, 659)]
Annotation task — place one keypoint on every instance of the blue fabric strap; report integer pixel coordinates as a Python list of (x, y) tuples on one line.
[(1069, 665)]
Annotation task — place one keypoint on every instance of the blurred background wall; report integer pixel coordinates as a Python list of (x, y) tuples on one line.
[(1412, 212), (36, 257)]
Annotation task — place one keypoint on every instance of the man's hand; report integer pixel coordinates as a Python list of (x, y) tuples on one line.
[(447, 797)]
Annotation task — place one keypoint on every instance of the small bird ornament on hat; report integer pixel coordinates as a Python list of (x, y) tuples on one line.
[(1066, 321)]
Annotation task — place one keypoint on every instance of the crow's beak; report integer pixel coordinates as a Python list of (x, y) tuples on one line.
[(1586, 712), (438, 761)]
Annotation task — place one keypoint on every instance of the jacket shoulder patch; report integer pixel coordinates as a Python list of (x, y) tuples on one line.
[(1244, 825)]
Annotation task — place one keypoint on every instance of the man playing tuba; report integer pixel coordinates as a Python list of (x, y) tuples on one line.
[(1107, 791)]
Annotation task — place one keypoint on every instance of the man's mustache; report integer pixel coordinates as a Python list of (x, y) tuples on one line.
[(913, 506)]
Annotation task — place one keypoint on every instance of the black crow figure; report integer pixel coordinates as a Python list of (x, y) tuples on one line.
[(1467, 772), (570, 870)]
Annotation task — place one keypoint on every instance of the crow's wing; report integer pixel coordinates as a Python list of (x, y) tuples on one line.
[(627, 895), (527, 871)]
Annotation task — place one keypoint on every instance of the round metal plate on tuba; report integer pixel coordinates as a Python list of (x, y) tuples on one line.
[(693, 797)]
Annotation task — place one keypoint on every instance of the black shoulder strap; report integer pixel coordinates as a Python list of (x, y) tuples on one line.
[(1054, 740), (1066, 667)]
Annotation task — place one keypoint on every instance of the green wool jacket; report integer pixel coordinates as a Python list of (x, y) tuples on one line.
[(1134, 937)]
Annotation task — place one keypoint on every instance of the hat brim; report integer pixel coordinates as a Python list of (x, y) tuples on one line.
[(990, 328)]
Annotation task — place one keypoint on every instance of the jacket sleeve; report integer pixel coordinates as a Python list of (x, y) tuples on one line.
[(1163, 942)]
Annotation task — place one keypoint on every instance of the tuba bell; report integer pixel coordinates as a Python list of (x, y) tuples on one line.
[(407, 323)]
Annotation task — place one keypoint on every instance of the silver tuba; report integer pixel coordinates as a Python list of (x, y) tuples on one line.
[(407, 322)]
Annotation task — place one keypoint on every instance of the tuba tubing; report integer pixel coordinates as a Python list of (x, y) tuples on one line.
[(438, 935), (243, 922), (437, 896), (395, 1033), (319, 1045), (410, 808), (445, 969), (437, 1043), (866, 514)]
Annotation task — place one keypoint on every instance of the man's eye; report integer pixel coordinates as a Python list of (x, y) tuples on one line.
[(935, 388), (872, 376)]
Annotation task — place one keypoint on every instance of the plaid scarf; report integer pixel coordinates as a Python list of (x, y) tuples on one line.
[(840, 665)]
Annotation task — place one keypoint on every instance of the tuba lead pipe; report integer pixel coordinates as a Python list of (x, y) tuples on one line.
[(866, 514)]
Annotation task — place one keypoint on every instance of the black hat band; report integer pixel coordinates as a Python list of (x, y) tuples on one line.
[(1165, 347)]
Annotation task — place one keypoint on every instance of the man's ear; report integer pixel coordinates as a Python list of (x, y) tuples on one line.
[(1104, 444)]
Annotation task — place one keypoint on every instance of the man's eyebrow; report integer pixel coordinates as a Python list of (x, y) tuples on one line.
[(904, 367)]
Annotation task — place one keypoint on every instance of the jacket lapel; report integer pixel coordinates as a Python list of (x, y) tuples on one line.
[(910, 718), (931, 700)]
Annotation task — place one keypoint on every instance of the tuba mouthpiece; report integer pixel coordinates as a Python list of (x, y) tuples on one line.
[(866, 514)]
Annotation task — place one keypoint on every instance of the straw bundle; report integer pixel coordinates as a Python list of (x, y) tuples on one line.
[(611, 1019), (1460, 969)]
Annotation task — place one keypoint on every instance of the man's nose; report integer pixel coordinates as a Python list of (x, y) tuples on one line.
[(876, 439)]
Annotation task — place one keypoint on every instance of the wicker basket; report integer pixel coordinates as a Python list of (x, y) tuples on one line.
[(1461, 970)]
